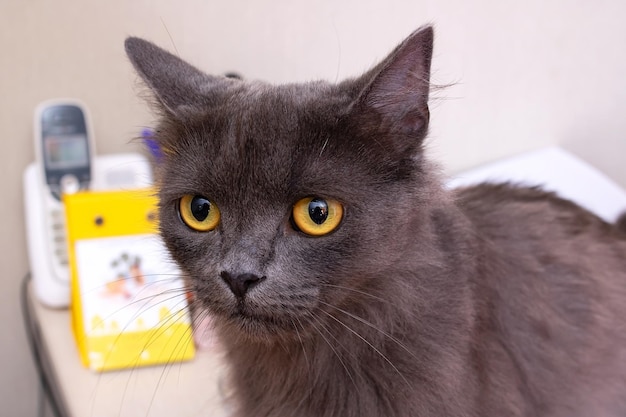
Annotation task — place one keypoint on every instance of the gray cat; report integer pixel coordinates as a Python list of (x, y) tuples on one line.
[(345, 280)]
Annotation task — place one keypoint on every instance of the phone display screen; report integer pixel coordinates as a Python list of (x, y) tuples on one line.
[(63, 152)]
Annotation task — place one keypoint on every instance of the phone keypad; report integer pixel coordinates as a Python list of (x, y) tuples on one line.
[(58, 236)]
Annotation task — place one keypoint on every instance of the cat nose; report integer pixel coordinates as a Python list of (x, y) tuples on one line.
[(239, 284)]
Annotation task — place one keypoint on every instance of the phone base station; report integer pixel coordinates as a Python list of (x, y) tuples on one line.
[(45, 220)]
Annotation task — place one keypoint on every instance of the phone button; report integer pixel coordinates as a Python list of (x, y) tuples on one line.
[(69, 184)]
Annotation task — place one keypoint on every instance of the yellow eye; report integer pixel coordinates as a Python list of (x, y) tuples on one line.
[(198, 213), (316, 216)]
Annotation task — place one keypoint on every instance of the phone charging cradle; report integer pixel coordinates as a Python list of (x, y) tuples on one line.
[(45, 220)]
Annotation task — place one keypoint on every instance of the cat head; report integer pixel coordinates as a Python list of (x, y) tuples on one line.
[(279, 202)]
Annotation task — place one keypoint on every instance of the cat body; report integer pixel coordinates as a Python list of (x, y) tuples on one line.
[(387, 295)]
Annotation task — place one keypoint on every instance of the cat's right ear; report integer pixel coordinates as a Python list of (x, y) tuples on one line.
[(181, 89)]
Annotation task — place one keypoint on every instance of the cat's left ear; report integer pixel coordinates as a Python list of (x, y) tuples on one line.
[(394, 100), (180, 88)]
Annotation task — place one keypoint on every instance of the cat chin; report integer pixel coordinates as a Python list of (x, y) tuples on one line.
[(243, 325)]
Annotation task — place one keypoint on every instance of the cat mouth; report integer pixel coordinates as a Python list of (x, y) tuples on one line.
[(241, 311), (255, 323), (244, 313)]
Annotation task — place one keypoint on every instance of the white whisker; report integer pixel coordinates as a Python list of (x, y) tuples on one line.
[(341, 287), (333, 349), (324, 146), (306, 359), (370, 345), (367, 323)]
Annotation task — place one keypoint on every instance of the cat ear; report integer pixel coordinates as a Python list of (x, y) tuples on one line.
[(394, 99), (181, 89)]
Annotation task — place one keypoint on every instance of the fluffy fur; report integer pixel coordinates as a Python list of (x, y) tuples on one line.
[(485, 301)]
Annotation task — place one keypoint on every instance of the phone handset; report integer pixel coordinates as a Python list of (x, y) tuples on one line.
[(64, 144), (64, 149)]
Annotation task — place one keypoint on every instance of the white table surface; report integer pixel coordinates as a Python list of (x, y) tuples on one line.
[(175, 390)]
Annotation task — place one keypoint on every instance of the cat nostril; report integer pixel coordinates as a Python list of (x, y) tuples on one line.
[(239, 284)]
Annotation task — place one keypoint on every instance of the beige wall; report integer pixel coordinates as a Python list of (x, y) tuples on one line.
[(526, 74)]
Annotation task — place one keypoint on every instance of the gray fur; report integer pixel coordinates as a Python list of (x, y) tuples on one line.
[(486, 301)]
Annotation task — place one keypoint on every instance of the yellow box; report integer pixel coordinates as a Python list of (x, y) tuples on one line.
[(129, 304)]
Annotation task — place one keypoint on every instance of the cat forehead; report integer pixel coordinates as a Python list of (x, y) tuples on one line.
[(253, 140), (256, 117), (274, 100)]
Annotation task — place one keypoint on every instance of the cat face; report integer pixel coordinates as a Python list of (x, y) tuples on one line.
[(281, 201)]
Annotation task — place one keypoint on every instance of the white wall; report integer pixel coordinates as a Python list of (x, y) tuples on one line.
[(524, 74)]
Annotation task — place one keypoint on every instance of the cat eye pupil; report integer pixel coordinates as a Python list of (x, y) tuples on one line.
[(200, 208), (318, 210), (315, 216), (198, 213)]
